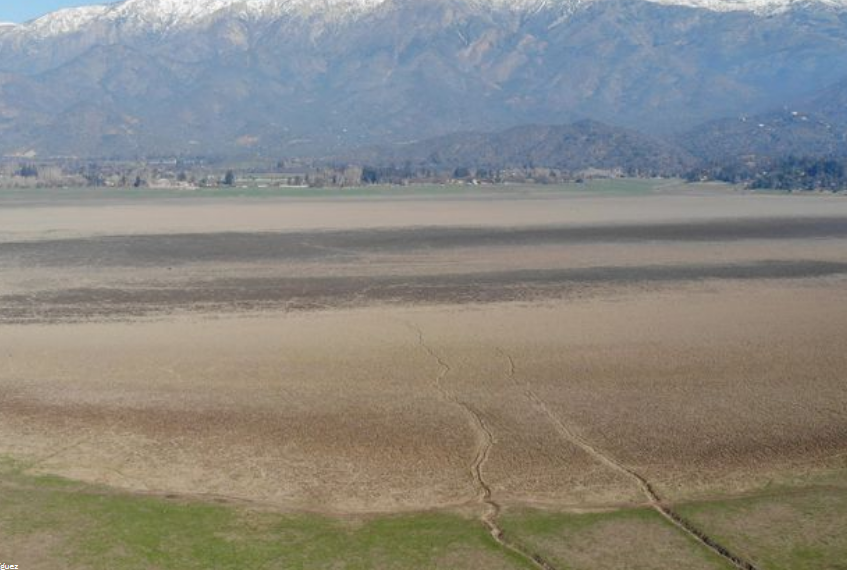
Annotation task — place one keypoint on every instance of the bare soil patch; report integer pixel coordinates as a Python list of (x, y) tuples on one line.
[(558, 358), (336, 410)]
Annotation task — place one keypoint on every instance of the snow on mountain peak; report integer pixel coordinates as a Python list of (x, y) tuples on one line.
[(756, 6), (161, 15), (64, 21)]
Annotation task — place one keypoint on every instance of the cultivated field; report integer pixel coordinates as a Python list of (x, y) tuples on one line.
[(631, 376)]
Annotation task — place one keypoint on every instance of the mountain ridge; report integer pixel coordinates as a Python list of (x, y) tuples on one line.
[(160, 15), (574, 147), (812, 126), (408, 69)]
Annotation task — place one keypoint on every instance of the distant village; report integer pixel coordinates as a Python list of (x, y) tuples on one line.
[(198, 173)]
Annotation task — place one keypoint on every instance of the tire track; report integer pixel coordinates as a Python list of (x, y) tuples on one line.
[(653, 498), (485, 443)]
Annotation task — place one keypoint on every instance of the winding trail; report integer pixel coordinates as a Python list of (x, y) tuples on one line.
[(653, 498), (485, 442)]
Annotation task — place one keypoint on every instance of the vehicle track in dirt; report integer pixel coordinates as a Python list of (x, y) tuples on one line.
[(485, 443), (653, 498)]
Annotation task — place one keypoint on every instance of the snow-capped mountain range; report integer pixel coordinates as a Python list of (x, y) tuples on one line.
[(307, 76), (160, 15)]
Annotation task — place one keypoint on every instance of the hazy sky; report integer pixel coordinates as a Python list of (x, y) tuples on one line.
[(22, 10)]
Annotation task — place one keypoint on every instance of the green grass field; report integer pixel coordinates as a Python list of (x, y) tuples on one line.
[(635, 539), (83, 526), (48, 522), (799, 529)]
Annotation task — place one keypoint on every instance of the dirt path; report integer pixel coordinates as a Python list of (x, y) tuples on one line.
[(653, 498), (485, 443)]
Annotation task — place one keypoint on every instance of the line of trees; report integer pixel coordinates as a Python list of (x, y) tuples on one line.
[(804, 174), (791, 173)]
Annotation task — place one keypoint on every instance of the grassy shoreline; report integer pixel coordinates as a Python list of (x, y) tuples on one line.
[(79, 525)]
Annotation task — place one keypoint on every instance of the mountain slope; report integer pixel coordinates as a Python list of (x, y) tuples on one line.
[(282, 77), (814, 126), (575, 147)]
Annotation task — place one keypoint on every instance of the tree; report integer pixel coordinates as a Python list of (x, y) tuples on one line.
[(462, 172), (370, 175), (229, 178), (93, 175), (28, 171)]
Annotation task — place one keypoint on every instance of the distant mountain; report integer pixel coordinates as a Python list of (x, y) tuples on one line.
[(575, 147), (315, 77), (815, 126)]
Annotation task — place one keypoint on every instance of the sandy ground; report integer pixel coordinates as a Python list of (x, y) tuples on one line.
[(44, 220), (365, 371)]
